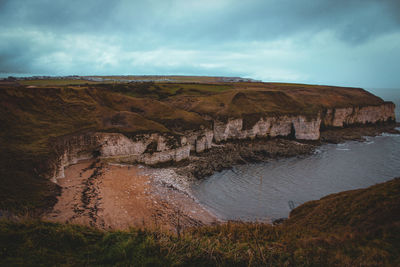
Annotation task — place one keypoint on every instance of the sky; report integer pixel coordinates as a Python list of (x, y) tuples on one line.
[(335, 42)]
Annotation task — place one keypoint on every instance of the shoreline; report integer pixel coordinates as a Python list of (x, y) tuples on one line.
[(164, 192), (236, 152), (115, 196)]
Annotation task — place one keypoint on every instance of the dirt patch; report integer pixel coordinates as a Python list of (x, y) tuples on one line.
[(118, 197)]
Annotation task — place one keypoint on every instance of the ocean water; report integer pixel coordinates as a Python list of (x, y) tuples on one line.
[(266, 191)]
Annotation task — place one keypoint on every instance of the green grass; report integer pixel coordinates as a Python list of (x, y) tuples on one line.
[(162, 91), (55, 82), (47, 244), (173, 78), (194, 89), (352, 228)]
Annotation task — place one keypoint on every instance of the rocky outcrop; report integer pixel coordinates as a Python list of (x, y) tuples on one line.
[(307, 129), (199, 141), (303, 128), (340, 117), (300, 126), (148, 149), (158, 148)]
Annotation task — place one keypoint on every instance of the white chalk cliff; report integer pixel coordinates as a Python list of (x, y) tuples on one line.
[(157, 148)]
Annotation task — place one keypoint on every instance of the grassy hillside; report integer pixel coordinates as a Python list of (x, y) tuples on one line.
[(273, 98), (353, 228), (34, 112)]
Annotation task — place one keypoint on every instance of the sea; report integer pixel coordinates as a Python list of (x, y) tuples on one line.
[(268, 191)]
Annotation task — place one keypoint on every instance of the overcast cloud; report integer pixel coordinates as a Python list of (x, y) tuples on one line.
[(342, 42)]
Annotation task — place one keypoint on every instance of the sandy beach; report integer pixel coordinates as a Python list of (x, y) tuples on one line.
[(111, 196)]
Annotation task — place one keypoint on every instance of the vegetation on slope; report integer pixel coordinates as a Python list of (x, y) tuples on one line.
[(352, 228), (260, 99)]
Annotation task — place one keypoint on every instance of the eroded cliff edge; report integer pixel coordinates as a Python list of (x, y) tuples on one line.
[(158, 148)]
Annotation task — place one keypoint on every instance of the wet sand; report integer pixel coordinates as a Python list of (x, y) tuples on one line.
[(111, 196)]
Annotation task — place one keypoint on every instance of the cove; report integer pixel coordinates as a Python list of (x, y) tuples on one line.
[(267, 191)]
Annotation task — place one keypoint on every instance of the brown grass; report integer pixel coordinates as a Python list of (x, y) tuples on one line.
[(353, 228)]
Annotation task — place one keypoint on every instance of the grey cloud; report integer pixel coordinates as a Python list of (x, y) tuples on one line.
[(353, 20), (15, 56), (61, 16), (102, 36)]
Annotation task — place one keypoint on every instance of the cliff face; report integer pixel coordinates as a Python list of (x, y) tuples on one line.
[(148, 149), (158, 148), (340, 117), (307, 129)]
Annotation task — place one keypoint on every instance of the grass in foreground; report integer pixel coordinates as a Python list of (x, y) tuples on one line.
[(352, 228)]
